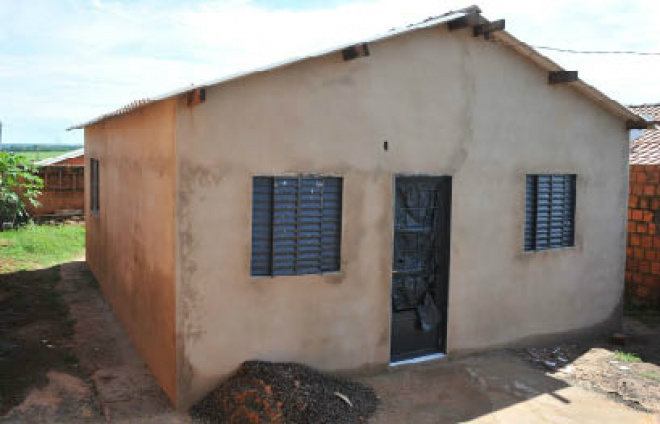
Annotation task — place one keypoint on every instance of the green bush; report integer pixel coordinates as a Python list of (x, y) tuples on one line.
[(19, 183)]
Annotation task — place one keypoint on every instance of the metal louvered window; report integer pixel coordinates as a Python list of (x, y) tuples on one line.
[(94, 192), (296, 225), (550, 211)]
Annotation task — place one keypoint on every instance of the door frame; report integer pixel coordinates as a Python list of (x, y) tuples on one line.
[(444, 289)]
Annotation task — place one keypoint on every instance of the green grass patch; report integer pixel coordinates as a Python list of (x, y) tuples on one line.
[(627, 356), (40, 246), (35, 156), (651, 375)]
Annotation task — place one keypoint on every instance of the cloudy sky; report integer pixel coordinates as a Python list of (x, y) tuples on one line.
[(65, 61)]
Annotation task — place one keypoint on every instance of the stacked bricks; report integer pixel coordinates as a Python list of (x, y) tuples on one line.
[(643, 248)]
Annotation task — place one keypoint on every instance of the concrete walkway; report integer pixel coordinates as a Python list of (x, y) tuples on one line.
[(498, 387)]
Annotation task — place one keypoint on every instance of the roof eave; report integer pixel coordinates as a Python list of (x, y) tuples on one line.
[(594, 94), (632, 120), (437, 21)]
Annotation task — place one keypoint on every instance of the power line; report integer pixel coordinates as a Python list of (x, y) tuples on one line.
[(629, 52)]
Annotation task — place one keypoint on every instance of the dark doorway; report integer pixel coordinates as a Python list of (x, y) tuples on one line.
[(420, 268)]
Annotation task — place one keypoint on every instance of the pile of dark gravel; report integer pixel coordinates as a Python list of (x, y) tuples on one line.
[(266, 392)]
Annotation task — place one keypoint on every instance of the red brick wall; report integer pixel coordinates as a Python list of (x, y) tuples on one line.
[(63, 189), (643, 248)]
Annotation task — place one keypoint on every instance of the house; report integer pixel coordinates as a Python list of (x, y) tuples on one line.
[(430, 191), (63, 193), (643, 250)]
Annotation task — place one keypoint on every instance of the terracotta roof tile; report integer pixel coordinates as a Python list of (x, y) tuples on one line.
[(645, 149), (651, 111)]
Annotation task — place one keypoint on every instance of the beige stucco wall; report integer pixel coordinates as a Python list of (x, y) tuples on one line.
[(131, 243), (448, 104)]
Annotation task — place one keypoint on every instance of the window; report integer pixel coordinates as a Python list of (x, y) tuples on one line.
[(94, 192), (296, 225), (550, 211)]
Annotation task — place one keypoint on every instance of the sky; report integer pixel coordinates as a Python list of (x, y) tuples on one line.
[(63, 62)]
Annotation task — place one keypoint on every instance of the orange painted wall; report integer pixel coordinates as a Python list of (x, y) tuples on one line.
[(131, 241)]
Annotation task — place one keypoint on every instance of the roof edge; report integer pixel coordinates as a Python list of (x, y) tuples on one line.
[(427, 23), (632, 119), (591, 92)]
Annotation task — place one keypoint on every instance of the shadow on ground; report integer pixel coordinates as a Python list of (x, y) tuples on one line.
[(36, 344), (91, 373), (65, 358)]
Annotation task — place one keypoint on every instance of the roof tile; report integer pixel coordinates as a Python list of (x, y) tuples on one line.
[(645, 149)]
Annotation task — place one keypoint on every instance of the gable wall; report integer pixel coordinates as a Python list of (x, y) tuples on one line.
[(447, 105)]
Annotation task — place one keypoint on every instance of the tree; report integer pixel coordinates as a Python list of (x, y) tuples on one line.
[(19, 183)]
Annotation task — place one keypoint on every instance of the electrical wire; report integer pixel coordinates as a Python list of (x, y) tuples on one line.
[(628, 52)]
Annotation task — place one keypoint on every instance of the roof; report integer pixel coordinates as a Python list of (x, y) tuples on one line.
[(501, 36), (68, 155), (651, 111), (645, 148)]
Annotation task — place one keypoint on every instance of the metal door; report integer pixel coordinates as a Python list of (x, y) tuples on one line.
[(420, 268)]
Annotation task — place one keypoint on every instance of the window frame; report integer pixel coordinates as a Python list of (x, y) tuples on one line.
[(293, 226), (559, 206)]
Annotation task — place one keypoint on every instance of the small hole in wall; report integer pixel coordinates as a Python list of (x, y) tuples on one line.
[(385, 145)]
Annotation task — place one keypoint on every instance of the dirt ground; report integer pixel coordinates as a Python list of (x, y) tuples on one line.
[(629, 373), (88, 371), (108, 381), (36, 346)]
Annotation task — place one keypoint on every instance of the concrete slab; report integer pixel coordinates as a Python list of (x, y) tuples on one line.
[(494, 388)]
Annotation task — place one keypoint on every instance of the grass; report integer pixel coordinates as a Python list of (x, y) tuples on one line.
[(627, 357), (39, 246), (41, 154), (651, 375)]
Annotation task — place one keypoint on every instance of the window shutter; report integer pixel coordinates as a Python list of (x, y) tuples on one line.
[(262, 230), (331, 224), (296, 225), (568, 236), (530, 213), (543, 211), (549, 211), (285, 214)]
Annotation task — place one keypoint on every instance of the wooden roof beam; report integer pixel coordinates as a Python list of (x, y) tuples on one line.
[(561, 77), (353, 52), (487, 28), (641, 124), (196, 96)]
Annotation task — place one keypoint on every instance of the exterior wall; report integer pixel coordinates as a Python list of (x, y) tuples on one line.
[(643, 250), (63, 190), (448, 105), (131, 242)]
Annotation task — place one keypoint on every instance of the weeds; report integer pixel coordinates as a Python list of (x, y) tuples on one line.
[(651, 375), (627, 357)]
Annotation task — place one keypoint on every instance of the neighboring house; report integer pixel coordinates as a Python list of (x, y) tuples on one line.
[(63, 193), (643, 252), (430, 191)]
